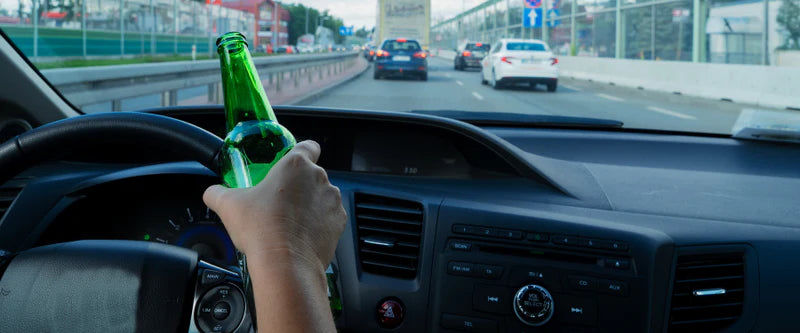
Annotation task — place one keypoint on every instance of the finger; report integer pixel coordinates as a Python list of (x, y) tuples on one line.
[(213, 195), (308, 148)]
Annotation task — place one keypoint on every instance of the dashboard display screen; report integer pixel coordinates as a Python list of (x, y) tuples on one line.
[(406, 154)]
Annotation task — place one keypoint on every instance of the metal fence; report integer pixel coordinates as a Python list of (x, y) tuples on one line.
[(93, 85), (81, 28)]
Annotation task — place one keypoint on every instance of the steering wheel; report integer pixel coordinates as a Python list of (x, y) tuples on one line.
[(116, 285)]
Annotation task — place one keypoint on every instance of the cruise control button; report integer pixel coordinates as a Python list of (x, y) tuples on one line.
[(614, 287), (490, 271), (494, 299), (206, 309), (461, 268), (460, 245), (222, 310), (576, 310), (582, 283), (211, 276), (618, 263), (468, 324)]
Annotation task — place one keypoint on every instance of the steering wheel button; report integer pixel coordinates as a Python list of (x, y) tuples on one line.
[(206, 309), (211, 277), (224, 292), (222, 310), (217, 328)]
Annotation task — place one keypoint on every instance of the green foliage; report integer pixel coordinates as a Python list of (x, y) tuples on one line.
[(789, 19), (297, 25)]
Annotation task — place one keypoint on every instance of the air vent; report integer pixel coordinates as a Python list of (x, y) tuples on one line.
[(708, 292), (389, 233), (9, 192)]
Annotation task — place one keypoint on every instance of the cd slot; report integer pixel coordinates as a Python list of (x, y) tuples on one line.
[(539, 253)]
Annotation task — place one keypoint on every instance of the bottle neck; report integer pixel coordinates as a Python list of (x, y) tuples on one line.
[(244, 96)]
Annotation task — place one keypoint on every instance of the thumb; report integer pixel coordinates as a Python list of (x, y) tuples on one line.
[(213, 197)]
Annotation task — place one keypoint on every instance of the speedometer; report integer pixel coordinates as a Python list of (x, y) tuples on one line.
[(195, 228)]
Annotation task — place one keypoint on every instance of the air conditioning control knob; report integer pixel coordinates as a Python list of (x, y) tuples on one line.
[(533, 305)]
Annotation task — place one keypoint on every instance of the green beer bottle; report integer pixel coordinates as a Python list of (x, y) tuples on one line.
[(255, 141)]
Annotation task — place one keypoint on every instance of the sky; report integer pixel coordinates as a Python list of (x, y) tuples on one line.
[(360, 13)]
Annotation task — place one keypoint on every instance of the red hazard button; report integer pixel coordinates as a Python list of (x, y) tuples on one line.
[(390, 314)]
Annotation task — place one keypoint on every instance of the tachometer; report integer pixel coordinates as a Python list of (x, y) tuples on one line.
[(198, 229)]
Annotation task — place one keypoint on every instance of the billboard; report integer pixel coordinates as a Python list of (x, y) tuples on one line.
[(404, 18)]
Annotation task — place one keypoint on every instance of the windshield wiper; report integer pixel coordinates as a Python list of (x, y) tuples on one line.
[(482, 118)]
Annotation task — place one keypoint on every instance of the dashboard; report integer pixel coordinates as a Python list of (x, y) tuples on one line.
[(458, 228)]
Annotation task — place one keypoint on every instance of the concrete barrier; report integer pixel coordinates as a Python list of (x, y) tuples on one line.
[(767, 86)]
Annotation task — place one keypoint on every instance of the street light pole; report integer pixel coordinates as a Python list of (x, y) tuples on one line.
[(307, 20)]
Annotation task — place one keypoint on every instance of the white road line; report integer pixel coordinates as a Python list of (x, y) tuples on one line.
[(570, 87), (447, 74), (670, 112), (477, 95), (609, 97), (459, 83)]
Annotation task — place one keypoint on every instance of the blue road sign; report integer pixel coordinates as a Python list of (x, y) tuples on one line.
[(532, 17), (346, 31), (551, 15)]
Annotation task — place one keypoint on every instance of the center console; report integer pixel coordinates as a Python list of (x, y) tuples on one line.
[(536, 278)]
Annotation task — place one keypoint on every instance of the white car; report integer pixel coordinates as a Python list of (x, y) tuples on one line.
[(512, 61)]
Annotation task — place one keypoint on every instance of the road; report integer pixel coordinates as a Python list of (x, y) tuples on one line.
[(447, 89)]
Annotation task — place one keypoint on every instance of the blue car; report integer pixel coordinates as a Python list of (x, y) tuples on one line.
[(402, 57)]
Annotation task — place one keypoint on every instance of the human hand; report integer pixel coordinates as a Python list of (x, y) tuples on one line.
[(294, 215)]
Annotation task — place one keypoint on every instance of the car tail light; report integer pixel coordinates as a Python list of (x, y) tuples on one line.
[(506, 60), (478, 44), (371, 52), (402, 40), (380, 67), (421, 68), (554, 61), (420, 55), (382, 53), (467, 53)]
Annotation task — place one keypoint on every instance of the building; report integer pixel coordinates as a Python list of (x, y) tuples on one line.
[(271, 21)]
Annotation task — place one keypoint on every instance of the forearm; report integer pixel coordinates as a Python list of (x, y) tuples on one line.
[(290, 296)]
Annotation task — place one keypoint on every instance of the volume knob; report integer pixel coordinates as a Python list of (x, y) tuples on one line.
[(533, 305)]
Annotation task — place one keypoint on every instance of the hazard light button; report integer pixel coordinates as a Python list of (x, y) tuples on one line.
[(390, 313)]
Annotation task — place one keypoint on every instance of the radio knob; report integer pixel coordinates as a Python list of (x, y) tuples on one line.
[(533, 305)]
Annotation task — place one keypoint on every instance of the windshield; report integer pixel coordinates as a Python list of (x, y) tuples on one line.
[(477, 47), (673, 65), (525, 47), (395, 45)]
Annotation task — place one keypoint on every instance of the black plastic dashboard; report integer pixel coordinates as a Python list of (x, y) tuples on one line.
[(621, 229)]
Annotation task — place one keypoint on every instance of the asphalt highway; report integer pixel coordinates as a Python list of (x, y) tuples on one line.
[(447, 89)]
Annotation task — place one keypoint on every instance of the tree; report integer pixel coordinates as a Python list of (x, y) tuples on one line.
[(297, 24), (363, 33), (789, 18)]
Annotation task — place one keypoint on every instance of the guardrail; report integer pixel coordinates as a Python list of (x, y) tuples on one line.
[(92, 85)]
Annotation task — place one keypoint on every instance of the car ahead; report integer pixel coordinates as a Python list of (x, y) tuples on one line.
[(512, 61), (470, 54), (402, 57), (369, 52)]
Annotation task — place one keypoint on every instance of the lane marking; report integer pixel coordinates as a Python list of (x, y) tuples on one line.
[(447, 74), (570, 87), (670, 112), (609, 97), (477, 95), (459, 83)]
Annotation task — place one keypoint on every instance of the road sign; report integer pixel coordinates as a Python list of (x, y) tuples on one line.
[(346, 31), (532, 17), (551, 15), (532, 3)]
